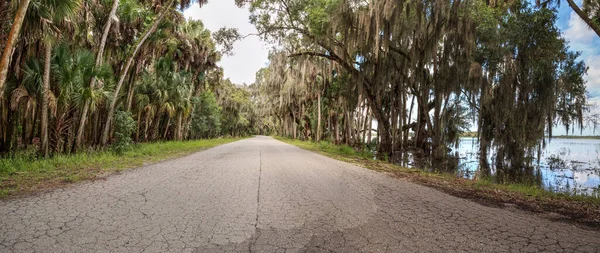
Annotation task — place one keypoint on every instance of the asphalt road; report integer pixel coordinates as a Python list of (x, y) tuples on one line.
[(261, 195)]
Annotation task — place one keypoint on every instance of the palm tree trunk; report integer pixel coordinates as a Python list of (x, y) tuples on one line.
[(186, 130), (130, 92), (146, 128), (12, 38), (24, 131), (45, 92), (82, 120), (167, 129), (179, 124), (139, 44), (99, 59), (109, 20)]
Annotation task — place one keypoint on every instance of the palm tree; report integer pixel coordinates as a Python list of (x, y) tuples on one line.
[(181, 98), (68, 94), (138, 44), (26, 97), (73, 71), (99, 59), (51, 14), (10, 43)]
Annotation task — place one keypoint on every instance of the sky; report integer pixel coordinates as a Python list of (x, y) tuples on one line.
[(251, 54), (582, 39)]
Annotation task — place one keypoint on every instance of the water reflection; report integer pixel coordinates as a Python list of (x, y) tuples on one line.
[(565, 165)]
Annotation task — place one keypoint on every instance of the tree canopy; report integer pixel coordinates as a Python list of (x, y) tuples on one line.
[(425, 71), (69, 66)]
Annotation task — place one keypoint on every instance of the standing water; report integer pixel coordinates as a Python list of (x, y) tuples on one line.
[(565, 165)]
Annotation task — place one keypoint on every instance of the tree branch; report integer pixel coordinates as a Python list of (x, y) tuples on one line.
[(330, 57), (585, 17), (400, 52)]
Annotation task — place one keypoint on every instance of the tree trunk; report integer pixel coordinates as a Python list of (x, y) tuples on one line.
[(10, 42), (45, 92), (294, 124), (179, 124), (7, 131), (358, 113), (394, 113), (97, 125), (366, 124), (146, 128), (348, 128), (82, 120), (167, 129), (138, 45), (318, 137), (99, 59), (337, 130), (139, 123), (329, 125), (402, 120), (131, 89), (301, 116), (24, 130), (383, 132), (369, 136)]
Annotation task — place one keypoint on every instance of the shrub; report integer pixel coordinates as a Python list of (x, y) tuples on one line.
[(124, 128)]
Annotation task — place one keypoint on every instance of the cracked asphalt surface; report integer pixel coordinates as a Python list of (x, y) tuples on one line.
[(261, 195)]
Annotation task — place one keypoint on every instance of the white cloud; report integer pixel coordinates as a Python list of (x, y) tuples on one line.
[(250, 54), (578, 31), (593, 74)]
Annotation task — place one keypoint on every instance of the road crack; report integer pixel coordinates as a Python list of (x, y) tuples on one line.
[(256, 232)]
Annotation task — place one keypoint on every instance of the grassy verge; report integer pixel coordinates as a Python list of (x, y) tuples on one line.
[(26, 174), (560, 206)]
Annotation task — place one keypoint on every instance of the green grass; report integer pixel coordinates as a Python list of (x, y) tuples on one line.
[(534, 192), (327, 148), (25, 173)]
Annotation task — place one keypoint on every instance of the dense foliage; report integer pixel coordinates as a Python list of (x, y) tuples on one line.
[(74, 73), (417, 74)]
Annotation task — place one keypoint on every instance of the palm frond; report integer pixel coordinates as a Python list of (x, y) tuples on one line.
[(17, 96)]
